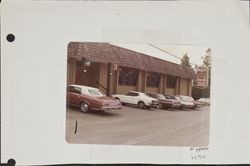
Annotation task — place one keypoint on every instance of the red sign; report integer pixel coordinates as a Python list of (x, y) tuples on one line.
[(202, 77)]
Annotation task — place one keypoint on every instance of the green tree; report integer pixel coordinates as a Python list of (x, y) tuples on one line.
[(185, 60), (207, 58), (207, 63)]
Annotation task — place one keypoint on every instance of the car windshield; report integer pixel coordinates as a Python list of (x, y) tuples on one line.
[(150, 95), (160, 96), (186, 98), (95, 92), (169, 97), (183, 98), (177, 97), (190, 98)]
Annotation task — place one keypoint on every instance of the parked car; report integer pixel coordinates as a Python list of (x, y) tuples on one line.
[(136, 98), (89, 98), (202, 102), (205, 101), (175, 102), (165, 102), (186, 101)]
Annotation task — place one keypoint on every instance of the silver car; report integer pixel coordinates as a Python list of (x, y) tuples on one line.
[(186, 101)]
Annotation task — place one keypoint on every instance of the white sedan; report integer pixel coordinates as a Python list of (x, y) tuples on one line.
[(137, 98)]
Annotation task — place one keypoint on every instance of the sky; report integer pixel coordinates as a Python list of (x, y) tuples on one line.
[(194, 52)]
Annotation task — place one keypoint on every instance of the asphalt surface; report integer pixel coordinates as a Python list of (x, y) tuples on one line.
[(134, 126)]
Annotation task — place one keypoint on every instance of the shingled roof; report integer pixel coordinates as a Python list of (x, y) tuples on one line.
[(105, 53)]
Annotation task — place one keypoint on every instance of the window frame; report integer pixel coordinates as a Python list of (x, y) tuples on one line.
[(128, 76), (171, 81), (153, 79)]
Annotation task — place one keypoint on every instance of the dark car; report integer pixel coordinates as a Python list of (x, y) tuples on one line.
[(175, 102), (163, 101), (89, 98)]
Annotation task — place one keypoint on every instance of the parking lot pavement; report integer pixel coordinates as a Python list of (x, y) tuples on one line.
[(134, 126)]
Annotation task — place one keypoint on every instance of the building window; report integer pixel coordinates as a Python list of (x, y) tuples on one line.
[(128, 76), (153, 79), (171, 81)]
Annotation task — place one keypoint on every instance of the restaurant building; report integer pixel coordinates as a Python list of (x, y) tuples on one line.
[(117, 70)]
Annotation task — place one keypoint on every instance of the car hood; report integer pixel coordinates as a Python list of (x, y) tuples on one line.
[(151, 98)]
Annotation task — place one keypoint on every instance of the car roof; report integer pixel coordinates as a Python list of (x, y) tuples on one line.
[(82, 86), (136, 92), (183, 96), (154, 93)]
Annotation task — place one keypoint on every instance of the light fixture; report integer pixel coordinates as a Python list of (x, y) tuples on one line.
[(86, 63)]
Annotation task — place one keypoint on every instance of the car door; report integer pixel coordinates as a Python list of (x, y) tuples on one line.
[(132, 97), (93, 97), (69, 89), (74, 95), (127, 98), (135, 98)]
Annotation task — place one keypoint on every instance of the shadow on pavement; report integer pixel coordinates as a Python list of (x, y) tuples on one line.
[(172, 110), (93, 112), (181, 110), (103, 113)]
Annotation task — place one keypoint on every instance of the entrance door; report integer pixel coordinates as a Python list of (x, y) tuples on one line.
[(81, 74)]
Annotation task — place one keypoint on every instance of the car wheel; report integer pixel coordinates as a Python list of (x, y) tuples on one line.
[(141, 104), (84, 107), (159, 106)]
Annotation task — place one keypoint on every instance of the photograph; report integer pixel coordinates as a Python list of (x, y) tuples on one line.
[(125, 82), (138, 94)]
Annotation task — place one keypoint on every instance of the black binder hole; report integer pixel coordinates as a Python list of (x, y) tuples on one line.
[(11, 162), (10, 37)]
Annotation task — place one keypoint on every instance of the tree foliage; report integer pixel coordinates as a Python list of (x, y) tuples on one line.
[(207, 63), (207, 58), (185, 60)]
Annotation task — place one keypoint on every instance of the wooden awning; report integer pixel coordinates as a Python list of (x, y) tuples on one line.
[(105, 53)]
